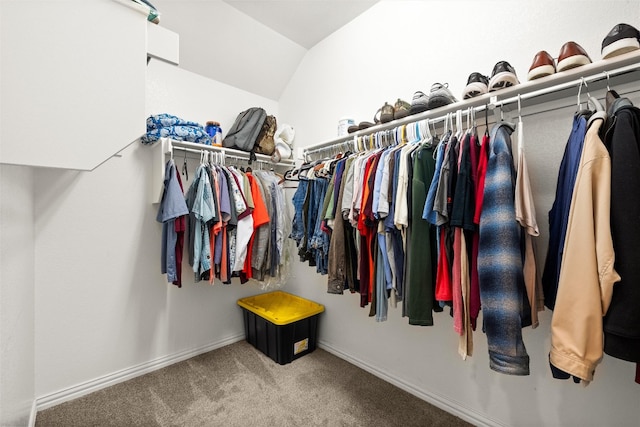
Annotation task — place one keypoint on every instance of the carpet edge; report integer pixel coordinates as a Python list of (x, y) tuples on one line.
[(87, 387), (435, 399)]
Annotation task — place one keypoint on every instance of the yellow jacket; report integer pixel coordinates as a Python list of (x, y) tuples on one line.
[(587, 275)]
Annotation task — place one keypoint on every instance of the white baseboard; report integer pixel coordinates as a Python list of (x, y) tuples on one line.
[(32, 414), (435, 399), (79, 390)]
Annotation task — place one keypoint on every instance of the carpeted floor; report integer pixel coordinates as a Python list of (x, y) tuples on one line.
[(237, 385)]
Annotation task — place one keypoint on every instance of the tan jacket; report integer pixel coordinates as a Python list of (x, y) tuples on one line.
[(587, 275)]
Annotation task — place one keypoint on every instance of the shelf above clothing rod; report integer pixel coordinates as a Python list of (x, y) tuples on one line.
[(619, 70), (228, 152)]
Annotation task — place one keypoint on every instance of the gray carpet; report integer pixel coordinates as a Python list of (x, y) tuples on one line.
[(237, 385)]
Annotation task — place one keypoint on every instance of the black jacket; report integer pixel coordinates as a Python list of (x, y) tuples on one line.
[(622, 321)]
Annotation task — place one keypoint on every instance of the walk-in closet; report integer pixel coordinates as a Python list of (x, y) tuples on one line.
[(451, 188)]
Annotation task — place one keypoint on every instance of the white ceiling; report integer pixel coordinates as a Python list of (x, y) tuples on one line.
[(305, 22), (253, 45)]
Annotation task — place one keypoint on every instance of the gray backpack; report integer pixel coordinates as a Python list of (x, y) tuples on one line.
[(243, 135)]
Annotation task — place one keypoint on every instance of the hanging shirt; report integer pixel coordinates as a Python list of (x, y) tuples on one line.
[(442, 188), (180, 225), (559, 213), (260, 217), (482, 172), (500, 262), (421, 258), (245, 223), (428, 212), (204, 211), (172, 206), (401, 214), (526, 216), (474, 286)]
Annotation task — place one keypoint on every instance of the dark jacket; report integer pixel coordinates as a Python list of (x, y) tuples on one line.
[(622, 322)]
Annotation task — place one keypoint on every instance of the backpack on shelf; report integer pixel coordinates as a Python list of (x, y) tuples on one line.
[(243, 134), (266, 143)]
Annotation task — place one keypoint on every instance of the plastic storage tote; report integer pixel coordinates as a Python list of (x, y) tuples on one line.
[(281, 325)]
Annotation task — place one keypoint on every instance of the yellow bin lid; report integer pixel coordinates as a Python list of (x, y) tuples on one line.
[(281, 308)]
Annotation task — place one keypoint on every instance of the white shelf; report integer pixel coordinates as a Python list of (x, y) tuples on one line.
[(162, 44), (621, 69)]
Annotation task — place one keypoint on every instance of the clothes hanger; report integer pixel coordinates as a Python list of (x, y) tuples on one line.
[(486, 120), (433, 123), (185, 171), (583, 112), (459, 131), (520, 131), (446, 123), (426, 139), (611, 95), (451, 122)]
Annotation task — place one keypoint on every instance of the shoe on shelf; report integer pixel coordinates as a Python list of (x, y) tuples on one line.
[(572, 55), (477, 84), (621, 39), (418, 103), (364, 125), (440, 96), (353, 128), (503, 75), (401, 109), (543, 65), (385, 112)]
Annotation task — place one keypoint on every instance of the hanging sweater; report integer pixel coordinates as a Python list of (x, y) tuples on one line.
[(622, 323), (500, 260)]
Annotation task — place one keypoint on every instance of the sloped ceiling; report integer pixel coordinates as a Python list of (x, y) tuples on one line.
[(252, 45), (304, 22)]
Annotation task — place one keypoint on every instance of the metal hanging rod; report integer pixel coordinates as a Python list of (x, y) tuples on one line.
[(593, 72), (227, 152), (224, 155)]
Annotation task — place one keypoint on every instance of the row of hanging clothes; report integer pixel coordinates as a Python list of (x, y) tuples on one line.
[(427, 222), (232, 221), (591, 277), (430, 222)]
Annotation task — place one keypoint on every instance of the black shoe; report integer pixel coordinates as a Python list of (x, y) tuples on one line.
[(439, 96), (477, 84), (419, 103), (503, 75), (621, 39)]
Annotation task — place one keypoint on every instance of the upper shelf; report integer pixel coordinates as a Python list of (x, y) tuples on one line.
[(614, 71), (162, 44)]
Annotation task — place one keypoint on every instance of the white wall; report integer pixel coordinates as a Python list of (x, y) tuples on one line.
[(16, 295), (390, 51), (228, 46), (102, 305)]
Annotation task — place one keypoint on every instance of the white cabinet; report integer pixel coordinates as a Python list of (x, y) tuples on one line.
[(72, 81)]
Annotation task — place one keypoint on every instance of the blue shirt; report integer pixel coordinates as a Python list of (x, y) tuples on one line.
[(559, 213), (171, 207), (428, 213)]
